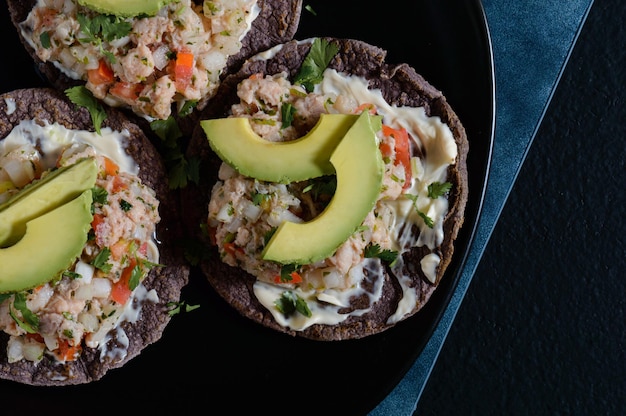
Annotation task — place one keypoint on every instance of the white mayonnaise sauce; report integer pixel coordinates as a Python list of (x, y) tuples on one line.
[(11, 107), (117, 350), (110, 143)]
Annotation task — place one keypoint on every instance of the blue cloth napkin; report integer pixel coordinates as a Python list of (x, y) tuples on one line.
[(531, 41)]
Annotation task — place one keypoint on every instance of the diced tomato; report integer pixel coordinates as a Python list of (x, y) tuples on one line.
[(119, 249), (403, 150), (46, 17), (118, 184), (295, 278), (183, 70), (385, 149), (110, 167), (232, 249), (102, 75), (67, 351), (366, 107), (120, 291), (97, 220), (36, 337), (126, 91), (143, 249)]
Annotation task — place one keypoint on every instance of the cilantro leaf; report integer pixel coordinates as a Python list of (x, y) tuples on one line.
[(289, 303), (180, 169), (100, 195), (44, 38), (100, 261), (437, 189), (82, 97), (285, 272), (258, 198), (71, 275), (287, 112), (427, 220), (187, 108), (135, 277), (30, 323), (316, 61), (102, 28), (268, 235), (125, 205), (178, 307), (373, 250), (167, 130)]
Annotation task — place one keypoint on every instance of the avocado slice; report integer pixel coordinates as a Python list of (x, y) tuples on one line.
[(51, 244), (55, 189), (359, 168), (234, 141), (125, 8)]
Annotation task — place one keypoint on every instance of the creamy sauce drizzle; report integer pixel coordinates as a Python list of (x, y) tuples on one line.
[(114, 345), (437, 143), (11, 106), (54, 138)]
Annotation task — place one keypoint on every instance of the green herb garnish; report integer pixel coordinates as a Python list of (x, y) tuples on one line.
[(286, 272), (289, 303), (312, 69), (181, 170), (30, 323), (100, 261), (99, 195), (287, 112), (125, 205), (178, 307), (82, 97), (102, 28), (44, 38), (374, 250), (427, 220), (437, 189)]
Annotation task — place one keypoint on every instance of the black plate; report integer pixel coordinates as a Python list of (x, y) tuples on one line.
[(212, 358)]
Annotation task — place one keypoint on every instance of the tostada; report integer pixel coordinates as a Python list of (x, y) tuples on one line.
[(158, 58), (333, 188), (90, 271)]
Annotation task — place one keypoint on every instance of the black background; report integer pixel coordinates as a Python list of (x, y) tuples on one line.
[(542, 329)]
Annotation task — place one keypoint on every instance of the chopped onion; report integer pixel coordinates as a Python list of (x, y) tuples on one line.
[(89, 321), (214, 61), (15, 350), (252, 212), (51, 340), (33, 351), (41, 298), (333, 279), (85, 270), (21, 172), (224, 213), (160, 56), (276, 217), (99, 288)]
